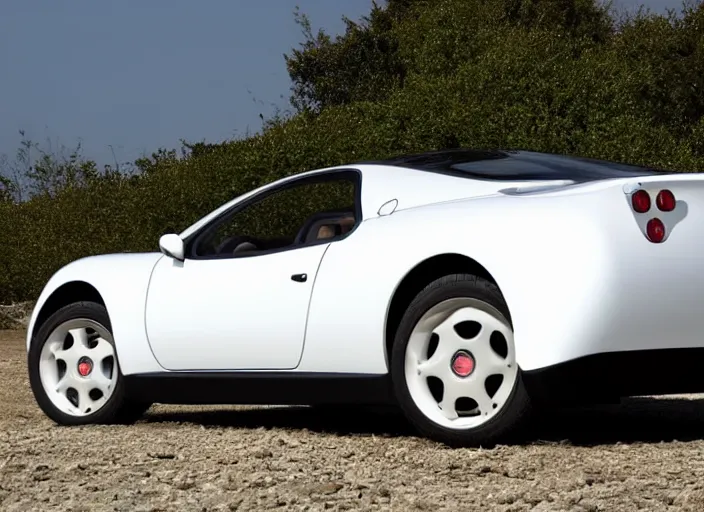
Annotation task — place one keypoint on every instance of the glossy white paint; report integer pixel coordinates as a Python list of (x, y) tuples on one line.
[(172, 245), (122, 281), (239, 313), (574, 265), (578, 275), (383, 183)]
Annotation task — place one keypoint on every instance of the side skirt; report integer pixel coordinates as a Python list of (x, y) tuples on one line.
[(599, 378), (260, 388)]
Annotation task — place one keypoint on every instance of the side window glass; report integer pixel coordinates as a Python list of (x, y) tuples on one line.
[(301, 214)]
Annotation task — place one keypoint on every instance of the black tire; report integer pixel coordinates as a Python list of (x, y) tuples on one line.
[(506, 425), (118, 408)]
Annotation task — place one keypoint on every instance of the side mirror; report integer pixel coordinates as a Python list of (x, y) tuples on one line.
[(172, 246)]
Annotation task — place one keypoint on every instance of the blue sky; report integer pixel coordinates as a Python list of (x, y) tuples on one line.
[(139, 75)]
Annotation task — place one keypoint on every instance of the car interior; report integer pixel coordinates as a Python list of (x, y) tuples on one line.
[(319, 226)]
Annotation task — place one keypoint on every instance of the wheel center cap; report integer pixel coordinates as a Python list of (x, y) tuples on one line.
[(462, 364), (85, 366)]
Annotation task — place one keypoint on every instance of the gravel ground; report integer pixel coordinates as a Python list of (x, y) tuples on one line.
[(647, 454)]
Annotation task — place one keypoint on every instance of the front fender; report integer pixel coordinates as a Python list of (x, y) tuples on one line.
[(122, 280)]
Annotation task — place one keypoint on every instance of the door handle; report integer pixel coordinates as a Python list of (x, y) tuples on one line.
[(299, 278)]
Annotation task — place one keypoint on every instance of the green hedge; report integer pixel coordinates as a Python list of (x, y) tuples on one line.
[(475, 77)]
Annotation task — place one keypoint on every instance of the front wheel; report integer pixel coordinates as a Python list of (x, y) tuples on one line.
[(453, 364), (74, 371)]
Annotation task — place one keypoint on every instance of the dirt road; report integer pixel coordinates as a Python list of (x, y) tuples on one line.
[(645, 455)]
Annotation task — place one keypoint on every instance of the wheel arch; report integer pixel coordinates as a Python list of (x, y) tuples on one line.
[(67, 293), (420, 276)]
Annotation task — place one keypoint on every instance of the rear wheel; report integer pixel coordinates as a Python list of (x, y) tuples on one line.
[(453, 364), (74, 370)]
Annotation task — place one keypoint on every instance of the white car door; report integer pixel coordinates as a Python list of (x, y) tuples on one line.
[(236, 295), (239, 313)]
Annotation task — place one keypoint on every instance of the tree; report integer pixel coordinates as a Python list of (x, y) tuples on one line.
[(7, 192), (51, 173), (361, 65), (375, 56), (39, 171), (149, 164), (580, 18), (14, 173)]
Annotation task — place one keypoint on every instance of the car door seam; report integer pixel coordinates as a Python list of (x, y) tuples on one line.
[(310, 300), (144, 318)]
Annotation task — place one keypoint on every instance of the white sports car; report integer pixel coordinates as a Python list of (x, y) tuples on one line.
[(463, 286)]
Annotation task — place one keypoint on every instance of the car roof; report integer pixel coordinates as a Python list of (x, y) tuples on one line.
[(515, 165)]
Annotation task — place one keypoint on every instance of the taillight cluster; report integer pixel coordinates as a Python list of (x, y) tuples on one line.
[(665, 202)]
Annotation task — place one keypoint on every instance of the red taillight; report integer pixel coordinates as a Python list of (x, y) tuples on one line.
[(655, 230), (641, 201), (666, 201)]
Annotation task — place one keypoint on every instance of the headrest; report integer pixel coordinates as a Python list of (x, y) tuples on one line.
[(323, 229), (329, 231)]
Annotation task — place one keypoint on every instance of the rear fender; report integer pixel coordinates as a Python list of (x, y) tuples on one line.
[(583, 278), (552, 261), (542, 252)]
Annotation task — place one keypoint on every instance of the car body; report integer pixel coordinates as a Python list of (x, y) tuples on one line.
[(595, 299)]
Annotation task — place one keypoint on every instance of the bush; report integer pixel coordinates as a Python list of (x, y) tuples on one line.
[(557, 76)]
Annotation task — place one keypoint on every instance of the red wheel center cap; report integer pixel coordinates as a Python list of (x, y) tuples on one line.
[(462, 364), (85, 366)]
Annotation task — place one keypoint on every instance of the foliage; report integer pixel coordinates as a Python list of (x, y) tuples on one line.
[(44, 171), (7, 190), (374, 56), (550, 75), (362, 65)]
